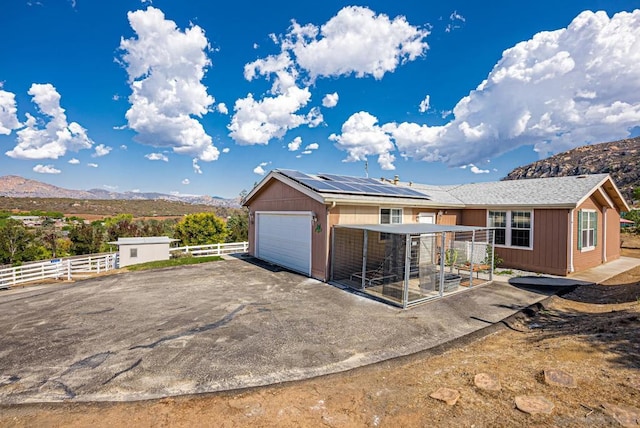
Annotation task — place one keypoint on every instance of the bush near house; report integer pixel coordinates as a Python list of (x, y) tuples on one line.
[(201, 229)]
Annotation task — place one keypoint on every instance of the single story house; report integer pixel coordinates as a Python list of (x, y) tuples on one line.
[(133, 251), (553, 225)]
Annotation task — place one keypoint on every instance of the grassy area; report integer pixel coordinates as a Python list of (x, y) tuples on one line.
[(173, 262)]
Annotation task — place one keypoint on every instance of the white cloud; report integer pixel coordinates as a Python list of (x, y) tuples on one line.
[(92, 165), (166, 67), (257, 122), (361, 137), (123, 147), (559, 90), (222, 108), (312, 146), (260, 168), (101, 150), (46, 169), (306, 152), (8, 112), (109, 187), (474, 169), (330, 100), (226, 150), (355, 41), (196, 167), (295, 144), (74, 161), (157, 157), (186, 181), (424, 104), (57, 136), (455, 21)]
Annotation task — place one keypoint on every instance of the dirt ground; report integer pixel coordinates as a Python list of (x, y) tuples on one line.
[(591, 334)]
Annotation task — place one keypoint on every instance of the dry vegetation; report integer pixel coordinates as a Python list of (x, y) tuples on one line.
[(93, 209)]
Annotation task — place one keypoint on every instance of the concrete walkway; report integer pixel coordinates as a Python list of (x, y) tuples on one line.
[(213, 327), (601, 273)]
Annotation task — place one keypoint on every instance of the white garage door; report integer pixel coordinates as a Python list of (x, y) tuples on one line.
[(284, 238)]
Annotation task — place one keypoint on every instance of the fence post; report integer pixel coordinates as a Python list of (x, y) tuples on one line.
[(68, 270), (218, 249)]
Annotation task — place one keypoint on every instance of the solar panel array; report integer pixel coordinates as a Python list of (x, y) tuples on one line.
[(331, 183)]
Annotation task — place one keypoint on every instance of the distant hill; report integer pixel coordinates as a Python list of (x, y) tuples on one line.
[(620, 159), (19, 187)]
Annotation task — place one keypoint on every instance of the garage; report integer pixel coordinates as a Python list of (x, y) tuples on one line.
[(284, 238)]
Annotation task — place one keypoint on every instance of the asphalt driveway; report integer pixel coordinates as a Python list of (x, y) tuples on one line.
[(212, 327)]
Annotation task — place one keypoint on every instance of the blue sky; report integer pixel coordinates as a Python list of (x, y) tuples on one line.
[(196, 97)]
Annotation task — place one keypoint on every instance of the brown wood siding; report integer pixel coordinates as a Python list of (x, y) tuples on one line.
[(613, 234), (549, 253), (587, 259), (277, 196), (474, 218)]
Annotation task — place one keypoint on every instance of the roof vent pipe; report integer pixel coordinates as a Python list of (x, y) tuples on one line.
[(396, 179)]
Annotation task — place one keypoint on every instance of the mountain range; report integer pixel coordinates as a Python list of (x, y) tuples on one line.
[(620, 159), (19, 187)]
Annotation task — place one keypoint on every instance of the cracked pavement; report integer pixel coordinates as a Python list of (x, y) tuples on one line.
[(212, 327)]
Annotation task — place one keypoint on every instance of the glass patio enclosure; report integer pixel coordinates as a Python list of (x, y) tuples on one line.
[(407, 264)]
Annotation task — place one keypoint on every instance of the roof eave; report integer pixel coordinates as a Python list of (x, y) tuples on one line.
[(342, 199)]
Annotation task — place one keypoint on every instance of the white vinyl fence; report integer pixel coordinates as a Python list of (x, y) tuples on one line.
[(58, 269), (212, 249), (83, 266)]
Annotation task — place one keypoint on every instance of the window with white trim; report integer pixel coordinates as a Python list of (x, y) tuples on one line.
[(587, 230), (390, 216), (512, 228), (133, 253)]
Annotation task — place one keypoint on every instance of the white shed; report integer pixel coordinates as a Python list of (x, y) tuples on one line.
[(141, 250)]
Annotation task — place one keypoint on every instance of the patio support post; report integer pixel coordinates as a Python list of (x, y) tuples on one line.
[(473, 250), (364, 258), (493, 252), (442, 257), (407, 270)]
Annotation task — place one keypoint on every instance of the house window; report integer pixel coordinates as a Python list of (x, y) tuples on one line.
[(588, 227), (512, 228), (389, 216), (498, 220), (133, 253), (521, 229)]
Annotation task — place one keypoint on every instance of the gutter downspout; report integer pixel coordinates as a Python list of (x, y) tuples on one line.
[(571, 268)]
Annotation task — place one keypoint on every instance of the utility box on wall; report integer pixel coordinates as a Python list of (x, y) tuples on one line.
[(133, 251)]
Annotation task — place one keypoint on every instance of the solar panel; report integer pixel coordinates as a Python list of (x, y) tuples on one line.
[(332, 183)]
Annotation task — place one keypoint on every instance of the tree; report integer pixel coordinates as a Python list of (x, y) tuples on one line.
[(121, 225), (14, 242), (86, 238), (636, 194), (201, 229), (238, 226)]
